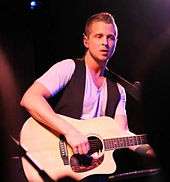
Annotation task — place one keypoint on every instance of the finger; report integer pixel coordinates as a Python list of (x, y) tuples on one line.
[(95, 155), (88, 146), (80, 149), (85, 148), (75, 150)]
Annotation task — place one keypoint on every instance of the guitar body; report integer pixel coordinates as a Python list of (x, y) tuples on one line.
[(44, 148)]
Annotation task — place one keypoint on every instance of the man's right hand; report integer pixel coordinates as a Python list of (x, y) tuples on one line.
[(78, 142)]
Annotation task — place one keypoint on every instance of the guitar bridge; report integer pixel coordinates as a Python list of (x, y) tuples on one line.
[(63, 150)]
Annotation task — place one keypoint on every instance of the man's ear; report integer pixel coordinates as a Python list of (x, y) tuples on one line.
[(85, 40)]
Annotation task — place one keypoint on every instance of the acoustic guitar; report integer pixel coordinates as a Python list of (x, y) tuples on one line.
[(51, 153)]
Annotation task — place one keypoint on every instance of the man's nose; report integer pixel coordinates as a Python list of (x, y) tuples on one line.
[(104, 41)]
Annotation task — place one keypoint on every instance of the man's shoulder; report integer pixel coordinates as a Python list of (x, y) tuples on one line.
[(70, 61), (66, 61)]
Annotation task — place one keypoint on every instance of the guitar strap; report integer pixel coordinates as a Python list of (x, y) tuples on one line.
[(133, 90)]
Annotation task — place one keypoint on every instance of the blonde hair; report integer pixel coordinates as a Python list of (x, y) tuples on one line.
[(104, 17)]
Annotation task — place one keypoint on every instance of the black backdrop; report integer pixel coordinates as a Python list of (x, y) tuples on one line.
[(33, 40)]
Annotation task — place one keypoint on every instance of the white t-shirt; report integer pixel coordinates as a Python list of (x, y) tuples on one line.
[(95, 99)]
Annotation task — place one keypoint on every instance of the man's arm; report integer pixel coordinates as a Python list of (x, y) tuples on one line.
[(120, 114), (122, 122), (34, 101)]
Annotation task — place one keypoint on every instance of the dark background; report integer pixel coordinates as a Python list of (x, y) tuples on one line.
[(32, 40)]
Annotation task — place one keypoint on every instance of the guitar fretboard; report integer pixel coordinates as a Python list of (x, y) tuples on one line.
[(124, 142)]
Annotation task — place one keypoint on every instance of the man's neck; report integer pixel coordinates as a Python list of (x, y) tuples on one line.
[(97, 67)]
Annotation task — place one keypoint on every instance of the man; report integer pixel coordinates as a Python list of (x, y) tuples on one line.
[(84, 92)]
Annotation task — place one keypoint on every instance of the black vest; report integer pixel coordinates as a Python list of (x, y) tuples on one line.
[(69, 101)]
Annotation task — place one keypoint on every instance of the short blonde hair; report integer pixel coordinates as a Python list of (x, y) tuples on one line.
[(104, 17)]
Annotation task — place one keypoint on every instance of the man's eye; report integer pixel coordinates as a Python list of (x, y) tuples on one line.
[(112, 38), (98, 36)]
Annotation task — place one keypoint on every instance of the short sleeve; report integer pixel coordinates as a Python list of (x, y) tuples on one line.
[(57, 76)]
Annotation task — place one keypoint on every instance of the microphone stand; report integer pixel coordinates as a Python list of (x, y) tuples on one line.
[(25, 154), (133, 89)]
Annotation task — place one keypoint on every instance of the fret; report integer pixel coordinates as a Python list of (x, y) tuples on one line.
[(123, 142)]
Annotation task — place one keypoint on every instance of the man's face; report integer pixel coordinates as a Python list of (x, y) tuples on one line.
[(101, 41)]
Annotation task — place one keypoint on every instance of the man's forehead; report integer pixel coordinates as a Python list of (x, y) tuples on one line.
[(100, 27)]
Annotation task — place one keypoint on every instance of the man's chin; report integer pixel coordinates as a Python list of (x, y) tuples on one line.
[(104, 58)]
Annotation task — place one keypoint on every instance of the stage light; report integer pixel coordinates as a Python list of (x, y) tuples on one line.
[(34, 4)]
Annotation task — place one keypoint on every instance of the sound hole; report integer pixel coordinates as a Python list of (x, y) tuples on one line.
[(82, 163)]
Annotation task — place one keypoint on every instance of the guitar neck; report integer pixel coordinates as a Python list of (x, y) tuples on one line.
[(124, 142)]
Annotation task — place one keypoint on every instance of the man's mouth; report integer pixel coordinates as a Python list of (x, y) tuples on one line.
[(104, 52)]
